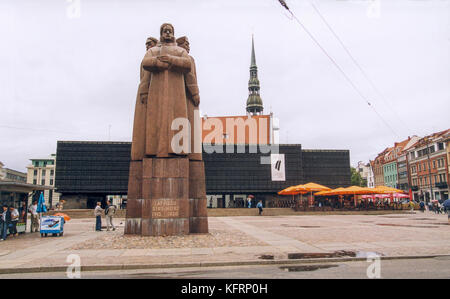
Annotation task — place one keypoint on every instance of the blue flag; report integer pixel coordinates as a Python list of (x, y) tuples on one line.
[(41, 208)]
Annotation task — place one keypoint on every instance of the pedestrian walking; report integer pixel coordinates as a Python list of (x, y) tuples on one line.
[(3, 223), (14, 219), (98, 216), (435, 208), (34, 217), (249, 202), (422, 206), (260, 207), (110, 211)]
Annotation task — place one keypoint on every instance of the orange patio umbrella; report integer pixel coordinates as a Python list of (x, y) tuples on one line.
[(312, 187), (331, 192), (352, 190), (387, 190), (356, 190), (290, 191)]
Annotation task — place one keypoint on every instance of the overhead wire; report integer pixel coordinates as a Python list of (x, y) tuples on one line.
[(364, 73), (366, 100)]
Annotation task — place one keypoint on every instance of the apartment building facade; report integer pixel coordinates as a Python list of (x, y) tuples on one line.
[(42, 172), (428, 167)]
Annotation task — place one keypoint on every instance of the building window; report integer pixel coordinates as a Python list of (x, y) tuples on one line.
[(440, 146), (35, 172), (52, 172), (34, 182), (432, 149), (434, 163), (43, 172), (42, 182), (51, 182)]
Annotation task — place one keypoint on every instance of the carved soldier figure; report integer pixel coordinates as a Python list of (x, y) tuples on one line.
[(193, 101), (138, 142), (168, 63)]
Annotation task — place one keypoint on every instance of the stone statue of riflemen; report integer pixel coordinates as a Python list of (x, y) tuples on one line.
[(167, 63), (166, 186)]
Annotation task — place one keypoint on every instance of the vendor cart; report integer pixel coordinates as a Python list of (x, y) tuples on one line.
[(52, 225)]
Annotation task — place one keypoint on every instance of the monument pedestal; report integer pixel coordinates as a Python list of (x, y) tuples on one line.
[(163, 208)]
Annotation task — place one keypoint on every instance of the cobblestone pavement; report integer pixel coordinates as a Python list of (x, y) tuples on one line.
[(219, 236), (235, 239)]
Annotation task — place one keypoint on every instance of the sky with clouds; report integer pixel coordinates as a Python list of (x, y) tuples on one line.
[(70, 68)]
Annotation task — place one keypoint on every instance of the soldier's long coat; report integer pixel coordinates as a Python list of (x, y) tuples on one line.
[(166, 98)]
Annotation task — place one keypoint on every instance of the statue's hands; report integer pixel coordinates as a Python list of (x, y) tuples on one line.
[(163, 62), (196, 100), (164, 58), (162, 65)]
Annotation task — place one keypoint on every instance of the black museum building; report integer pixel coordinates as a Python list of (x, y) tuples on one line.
[(89, 171)]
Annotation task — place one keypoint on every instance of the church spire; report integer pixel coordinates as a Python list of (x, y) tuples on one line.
[(253, 62), (254, 102)]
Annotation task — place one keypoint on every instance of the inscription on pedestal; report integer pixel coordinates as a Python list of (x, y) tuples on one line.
[(165, 208)]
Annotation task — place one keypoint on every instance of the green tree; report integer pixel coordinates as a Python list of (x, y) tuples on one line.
[(356, 178)]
